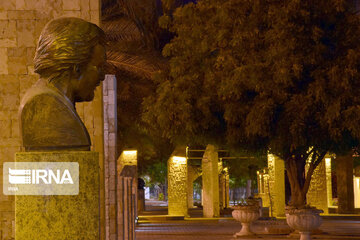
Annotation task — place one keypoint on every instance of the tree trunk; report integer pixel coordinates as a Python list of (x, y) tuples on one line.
[(298, 198), (248, 189), (296, 174), (298, 177)]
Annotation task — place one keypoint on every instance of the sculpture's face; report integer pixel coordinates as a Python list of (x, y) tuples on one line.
[(91, 75)]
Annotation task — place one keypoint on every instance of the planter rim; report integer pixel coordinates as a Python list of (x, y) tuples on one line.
[(304, 210), (246, 207)]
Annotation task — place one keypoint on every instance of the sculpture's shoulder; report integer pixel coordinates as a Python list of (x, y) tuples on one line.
[(48, 121)]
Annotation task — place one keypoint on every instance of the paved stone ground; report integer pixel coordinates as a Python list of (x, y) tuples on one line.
[(224, 228)]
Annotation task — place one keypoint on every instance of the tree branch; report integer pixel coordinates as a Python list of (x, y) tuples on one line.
[(320, 158), (308, 178), (292, 173)]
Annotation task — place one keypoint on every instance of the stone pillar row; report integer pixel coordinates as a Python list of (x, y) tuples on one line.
[(271, 185), (181, 176)]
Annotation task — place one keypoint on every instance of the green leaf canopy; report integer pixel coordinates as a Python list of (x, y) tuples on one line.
[(261, 74)]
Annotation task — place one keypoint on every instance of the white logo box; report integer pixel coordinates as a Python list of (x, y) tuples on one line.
[(41, 178)]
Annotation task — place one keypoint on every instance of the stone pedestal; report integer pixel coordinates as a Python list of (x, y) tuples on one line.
[(177, 186), (210, 182), (345, 183), (63, 216)]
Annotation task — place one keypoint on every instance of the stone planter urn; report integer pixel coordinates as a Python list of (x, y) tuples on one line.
[(304, 220), (246, 214)]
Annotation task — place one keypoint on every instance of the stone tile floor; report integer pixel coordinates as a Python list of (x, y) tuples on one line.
[(197, 228), (224, 229)]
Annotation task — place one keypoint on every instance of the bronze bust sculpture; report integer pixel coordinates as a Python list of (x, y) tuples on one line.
[(70, 58)]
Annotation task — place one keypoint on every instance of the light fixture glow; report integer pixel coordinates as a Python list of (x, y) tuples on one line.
[(179, 160), (130, 152), (328, 162)]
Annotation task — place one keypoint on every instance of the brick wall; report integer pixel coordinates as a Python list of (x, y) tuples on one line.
[(21, 22)]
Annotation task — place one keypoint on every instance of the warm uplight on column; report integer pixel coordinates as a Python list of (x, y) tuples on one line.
[(130, 152), (357, 192), (129, 157), (271, 159), (179, 160), (328, 181), (177, 186), (328, 162)]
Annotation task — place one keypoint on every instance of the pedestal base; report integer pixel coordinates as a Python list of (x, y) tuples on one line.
[(63, 216), (305, 235), (245, 231)]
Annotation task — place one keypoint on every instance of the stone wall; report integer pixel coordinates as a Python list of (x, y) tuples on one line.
[(21, 22)]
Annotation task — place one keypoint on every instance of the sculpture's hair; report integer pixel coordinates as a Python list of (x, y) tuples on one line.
[(65, 43)]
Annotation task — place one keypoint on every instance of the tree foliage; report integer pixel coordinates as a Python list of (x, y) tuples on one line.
[(156, 172), (261, 74), (134, 44)]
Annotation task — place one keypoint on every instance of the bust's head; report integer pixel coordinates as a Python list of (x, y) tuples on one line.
[(72, 50)]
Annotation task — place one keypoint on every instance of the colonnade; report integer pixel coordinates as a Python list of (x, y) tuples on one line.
[(182, 174)]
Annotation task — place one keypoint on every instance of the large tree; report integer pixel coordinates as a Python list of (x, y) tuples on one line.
[(263, 75), (134, 44)]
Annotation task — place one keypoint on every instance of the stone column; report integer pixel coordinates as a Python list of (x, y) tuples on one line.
[(210, 182), (177, 183), (190, 187), (227, 189), (126, 194), (193, 173), (222, 190), (248, 188), (317, 193), (224, 187), (276, 185), (110, 153), (328, 181), (345, 184), (263, 181)]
